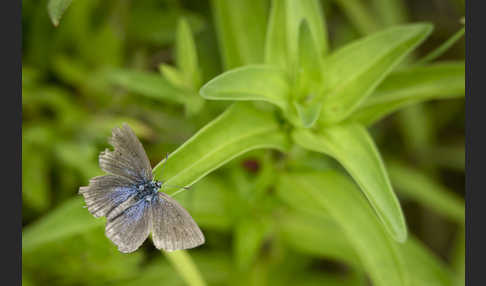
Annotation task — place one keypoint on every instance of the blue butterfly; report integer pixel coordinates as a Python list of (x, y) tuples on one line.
[(130, 200)]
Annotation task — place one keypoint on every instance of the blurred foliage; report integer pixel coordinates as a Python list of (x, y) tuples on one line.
[(315, 180)]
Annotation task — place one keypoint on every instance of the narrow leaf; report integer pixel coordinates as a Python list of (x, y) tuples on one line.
[(249, 236), (308, 114), (309, 11), (68, 219), (412, 85), (353, 147), (239, 129), (276, 38), (442, 48), (355, 70), (309, 63), (240, 40), (186, 54), (256, 82), (149, 84), (56, 9), (317, 235), (378, 253), (415, 185)]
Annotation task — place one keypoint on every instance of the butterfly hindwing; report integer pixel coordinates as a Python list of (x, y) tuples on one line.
[(129, 227), (128, 159), (172, 226)]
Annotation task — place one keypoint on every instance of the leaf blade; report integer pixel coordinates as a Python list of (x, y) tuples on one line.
[(379, 254), (56, 9), (412, 85), (245, 83), (239, 129), (353, 147), (355, 70)]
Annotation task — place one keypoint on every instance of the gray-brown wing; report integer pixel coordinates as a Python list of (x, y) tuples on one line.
[(172, 226), (105, 193), (128, 159), (129, 225)]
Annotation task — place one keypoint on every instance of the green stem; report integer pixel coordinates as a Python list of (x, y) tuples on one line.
[(186, 267)]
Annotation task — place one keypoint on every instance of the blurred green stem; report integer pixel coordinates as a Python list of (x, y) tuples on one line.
[(183, 264)]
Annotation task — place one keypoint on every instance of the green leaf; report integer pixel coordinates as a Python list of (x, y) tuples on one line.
[(255, 82), (210, 203), (423, 267), (249, 234), (276, 38), (156, 25), (353, 147), (185, 266), (309, 11), (239, 129), (149, 84), (355, 70), (415, 185), (68, 219), (443, 48), (459, 258), (378, 253), (317, 235), (186, 54), (240, 40), (308, 114), (359, 15), (282, 39), (412, 85), (35, 178), (173, 76), (56, 9), (308, 75)]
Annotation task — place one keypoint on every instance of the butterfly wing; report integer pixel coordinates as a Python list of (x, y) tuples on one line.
[(128, 159), (129, 224), (172, 226), (105, 193)]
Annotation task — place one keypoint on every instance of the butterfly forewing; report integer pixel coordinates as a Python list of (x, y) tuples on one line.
[(105, 193), (128, 159), (172, 226)]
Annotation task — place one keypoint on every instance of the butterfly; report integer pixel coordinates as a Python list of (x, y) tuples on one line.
[(129, 198)]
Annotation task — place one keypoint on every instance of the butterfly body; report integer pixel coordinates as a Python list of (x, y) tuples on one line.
[(132, 202)]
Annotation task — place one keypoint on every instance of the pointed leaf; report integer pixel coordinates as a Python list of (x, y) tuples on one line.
[(249, 235), (308, 114), (239, 129), (149, 84), (68, 219), (256, 82), (355, 70), (240, 40), (412, 85), (56, 9), (317, 235), (415, 185), (186, 54), (353, 147), (173, 75), (310, 11), (378, 253), (276, 38)]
